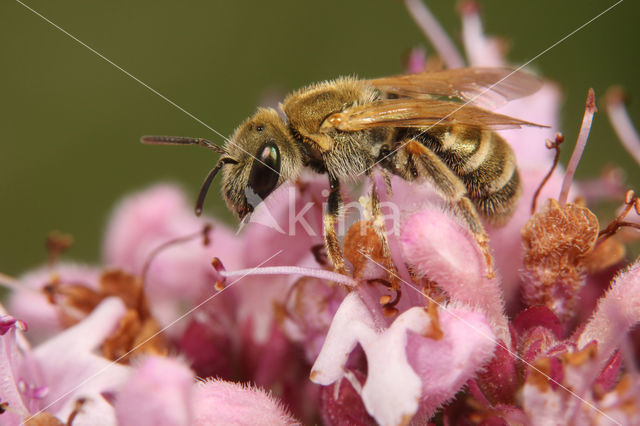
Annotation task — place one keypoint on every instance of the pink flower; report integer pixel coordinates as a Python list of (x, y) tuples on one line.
[(401, 376), (53, 376), (162, 391), (213, 326)]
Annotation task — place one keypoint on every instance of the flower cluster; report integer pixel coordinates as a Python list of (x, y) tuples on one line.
[(187, 322)]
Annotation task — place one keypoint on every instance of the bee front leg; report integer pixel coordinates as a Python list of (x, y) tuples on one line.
[(334, 206), (469, 213)]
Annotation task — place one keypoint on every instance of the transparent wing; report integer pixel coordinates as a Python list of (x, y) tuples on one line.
[(486, 87)]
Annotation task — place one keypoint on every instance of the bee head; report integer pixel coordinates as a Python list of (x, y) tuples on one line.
[(264, 156)]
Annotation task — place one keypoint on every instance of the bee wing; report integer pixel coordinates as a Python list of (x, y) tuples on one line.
[(487, 87), (409, 112)]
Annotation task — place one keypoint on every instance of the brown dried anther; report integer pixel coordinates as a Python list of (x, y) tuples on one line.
[(57, 243), (43, 418), (137, 325), (434, 332), (557, 241), (387, 301), (138, 329), (219, 267)]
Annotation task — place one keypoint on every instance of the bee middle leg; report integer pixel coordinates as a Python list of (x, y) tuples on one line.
[(420, 161), (378, 224), (334, 205)]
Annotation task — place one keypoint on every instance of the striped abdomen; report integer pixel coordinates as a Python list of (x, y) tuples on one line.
[(484, 162)]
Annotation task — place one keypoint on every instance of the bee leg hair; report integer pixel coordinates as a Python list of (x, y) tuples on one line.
[(470, 215), (334, 206), (379, 227)]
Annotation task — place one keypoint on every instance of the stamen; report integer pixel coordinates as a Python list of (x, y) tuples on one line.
[(203, 233), (619, 117), (219, 267), (435, 33), (76, 410), (14, 284), (555, 144), (56, 244), (293, 270), (388, 302), (631, 201), (583, 136), (385, 299)]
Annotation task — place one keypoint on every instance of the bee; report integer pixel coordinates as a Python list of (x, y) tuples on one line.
[(421, 127)]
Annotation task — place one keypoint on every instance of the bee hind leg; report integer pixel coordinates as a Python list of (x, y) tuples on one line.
[(421, 161), (467, 210), (334, 206)]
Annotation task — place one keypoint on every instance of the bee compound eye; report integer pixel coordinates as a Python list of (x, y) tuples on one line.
[(265, 172)]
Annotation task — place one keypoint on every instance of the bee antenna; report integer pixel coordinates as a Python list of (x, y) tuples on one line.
[(180, 140), (207, 182)]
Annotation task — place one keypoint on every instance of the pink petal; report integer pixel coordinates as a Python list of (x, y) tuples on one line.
[(541, 107), (71, 369), (32, 306), (159, 392), (288, 222), (500, 379), (226, 403), (311, 306), (537, 316), (11, 360), (352, 315), (289, 219), (435, 33), (445, 365), (528, 143), (179, 274), (402, 365), (481, 50), (618, 310), (443, 250), (417, 61)]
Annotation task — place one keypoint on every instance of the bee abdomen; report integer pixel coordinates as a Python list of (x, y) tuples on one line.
[(491, 177), (486, 165)]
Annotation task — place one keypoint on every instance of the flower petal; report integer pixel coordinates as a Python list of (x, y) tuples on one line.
[(11, 359), (618, 310), (440, 248), (70, 368), (31, 304), (445, 365), (405, 362), (226, 403), (159, 392)]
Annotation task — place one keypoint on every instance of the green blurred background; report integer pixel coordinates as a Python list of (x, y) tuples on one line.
[(71, 122)]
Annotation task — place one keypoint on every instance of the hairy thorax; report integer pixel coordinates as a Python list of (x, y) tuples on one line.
[(343, 154)]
